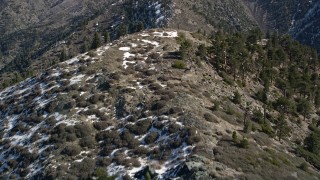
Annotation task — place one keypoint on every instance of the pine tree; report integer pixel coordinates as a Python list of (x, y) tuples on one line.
[(122, 30), (107, 37), (237, 97), (283, 129), (304, 107), (185, 48), (96, 42), (312, 143), (140, 26), (84, 48), (202, 51), (63, 55)]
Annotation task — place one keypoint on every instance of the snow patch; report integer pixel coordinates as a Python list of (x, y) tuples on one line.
[(124, 48)]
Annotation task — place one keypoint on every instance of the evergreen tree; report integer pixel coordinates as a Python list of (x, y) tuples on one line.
[(63, 55), (282, 127), (96, 42), (237, 97), (304, 107), (185, 48), (202, 51), (107, 37), (312, 142), (84, 48), (140, 26), (317, 98), (122, 30), (147, 175)]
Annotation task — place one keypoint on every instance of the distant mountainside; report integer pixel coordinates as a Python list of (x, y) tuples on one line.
[(300, 19), (33, 34)]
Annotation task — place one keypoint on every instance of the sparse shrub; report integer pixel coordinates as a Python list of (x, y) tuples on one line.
[(253, 127), (84, 169), (234, 137), (103, 161), (101, 125), (158, 125), (88, 141), (82, 68), (72, 150), (154, 55), (115, 76), (141, 150), (155, 87), (12, 163), (119, 158), (266, 128), (150, 72), (173, 128), (175, 143), (151, 137), (236, 98), (126, 136), (158, 105), (103, 85), (304, 166), (82, 130), (146, 81), (91, 72), (163, 78), (209, 117), (82, 104), (24, 172), (178, 64), (257, 116), (74, 87), (35, 137), (247, 127), (94, 99), (50, 108), (91, 54), (141, 127), (19, 127), (71, 137), (132, 119), (105, 135), (227, 78), (174, 110), (135, 162), (105, 151), (50, 121), (216, 106), (229, 110), (34, 118), (244, 143), (133, 144), (193, 140)]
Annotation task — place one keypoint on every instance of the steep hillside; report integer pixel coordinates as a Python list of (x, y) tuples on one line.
[(138, 108), (300, 19), (34, 34), (229, 15), (28, 46)]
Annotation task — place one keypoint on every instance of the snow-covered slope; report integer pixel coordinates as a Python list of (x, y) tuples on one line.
[(127, 109), (81, 110)]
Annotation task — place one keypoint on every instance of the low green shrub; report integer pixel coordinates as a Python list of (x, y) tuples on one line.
[(178, 64)]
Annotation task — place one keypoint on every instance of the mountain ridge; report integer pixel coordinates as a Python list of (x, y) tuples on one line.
[(131, 108)]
